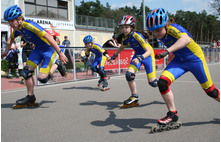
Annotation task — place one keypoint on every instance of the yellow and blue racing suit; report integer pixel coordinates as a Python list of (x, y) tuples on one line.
[(189, 58), (100, 59), (137, 41), (33, 32)]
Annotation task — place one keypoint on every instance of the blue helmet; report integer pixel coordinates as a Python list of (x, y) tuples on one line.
[(87, 39), (12, 13), (156, 19)]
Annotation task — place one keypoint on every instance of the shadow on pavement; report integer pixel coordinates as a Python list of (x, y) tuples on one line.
[(125, 125), (40, 104), (214, 121), (84, 88), (113, 105)]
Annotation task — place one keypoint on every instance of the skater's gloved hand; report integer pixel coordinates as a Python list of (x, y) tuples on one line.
[(138, 59), (162, 55), (113, 58)]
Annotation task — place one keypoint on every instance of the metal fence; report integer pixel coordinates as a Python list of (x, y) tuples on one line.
[(90, 22), (78, 69)]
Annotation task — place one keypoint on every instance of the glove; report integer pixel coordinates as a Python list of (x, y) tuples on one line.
[(113, 57), (162, 55), (140, 57)]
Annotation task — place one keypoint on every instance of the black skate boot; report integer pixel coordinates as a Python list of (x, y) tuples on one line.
[(99, 82), (105, 85), (168, 122), (61, 68), (171, 117), (131, 102), (28, 101)]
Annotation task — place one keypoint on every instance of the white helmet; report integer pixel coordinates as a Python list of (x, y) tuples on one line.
[(127, 20)]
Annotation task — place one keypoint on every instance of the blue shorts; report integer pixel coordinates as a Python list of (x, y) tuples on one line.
[(198, 68), (99, 61), (44, 55), (149, 65)]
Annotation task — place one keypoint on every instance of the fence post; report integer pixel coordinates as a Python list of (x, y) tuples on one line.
[(74, 66), (119, 63), (36, 75)]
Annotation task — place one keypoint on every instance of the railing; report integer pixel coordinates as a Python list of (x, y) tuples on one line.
[(78, 69), (95, 23)]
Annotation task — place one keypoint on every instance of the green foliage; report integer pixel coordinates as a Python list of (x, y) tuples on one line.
[(202, 27), (79, 65), (4, 65)]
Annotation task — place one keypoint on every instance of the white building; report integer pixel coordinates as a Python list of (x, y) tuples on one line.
[(60, 15)]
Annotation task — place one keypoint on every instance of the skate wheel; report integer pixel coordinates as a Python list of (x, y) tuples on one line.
[(105, 89), (153, 129)]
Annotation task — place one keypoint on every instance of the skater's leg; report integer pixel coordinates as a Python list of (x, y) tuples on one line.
[(130, 76), (164, 87), (153, 82), (53, 68), (29, 80), (169, 100)]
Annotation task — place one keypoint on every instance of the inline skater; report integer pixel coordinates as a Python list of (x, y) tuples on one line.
[(45, 50), (144, 54), (100, 58), (188, 57)]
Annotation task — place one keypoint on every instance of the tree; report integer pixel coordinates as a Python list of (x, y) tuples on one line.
[(215, 5)]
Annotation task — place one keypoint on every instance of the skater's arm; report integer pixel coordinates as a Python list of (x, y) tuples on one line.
[(182, 42), (143, 56), (8, 46)]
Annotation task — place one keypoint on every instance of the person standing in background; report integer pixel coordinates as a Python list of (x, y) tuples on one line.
[(66, 42)]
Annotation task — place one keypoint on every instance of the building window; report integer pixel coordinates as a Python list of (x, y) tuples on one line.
[(47, 9)]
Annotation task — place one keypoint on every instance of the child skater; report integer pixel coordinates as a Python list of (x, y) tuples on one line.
[(45, 50), (100, 58), (144, 54), (188, 57)]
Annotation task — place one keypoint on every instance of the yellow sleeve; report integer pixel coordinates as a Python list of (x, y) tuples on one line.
[(98, 48), (174, 32), (142, 41), (35, 30)]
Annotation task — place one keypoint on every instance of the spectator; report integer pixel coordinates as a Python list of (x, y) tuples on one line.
[(12, 58), (26, 51), (112, 42), (213, 44), (66, 42)]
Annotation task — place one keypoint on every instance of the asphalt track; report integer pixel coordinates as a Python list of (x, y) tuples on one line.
[(79, 112)]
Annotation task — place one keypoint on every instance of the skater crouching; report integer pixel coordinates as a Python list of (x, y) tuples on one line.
[(100, 58), (45, 50), (144, 54), (188, 57)]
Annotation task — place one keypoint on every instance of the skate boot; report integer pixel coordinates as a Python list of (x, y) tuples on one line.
[(105, 85), (168, 122), (28, 101), (22, 81), (17, 75), (9, 75), (131, 102), (99, 82), (61, 68)]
